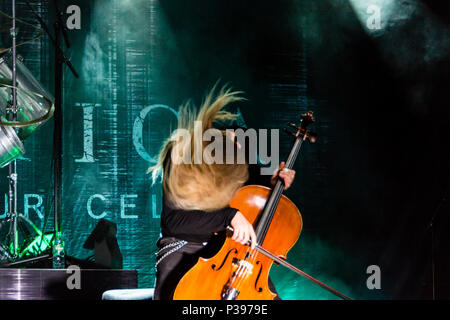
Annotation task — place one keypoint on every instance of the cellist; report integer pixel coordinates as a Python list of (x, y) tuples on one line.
[(195, 210)]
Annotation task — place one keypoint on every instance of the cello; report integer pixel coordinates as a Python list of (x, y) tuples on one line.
[(237, 271)]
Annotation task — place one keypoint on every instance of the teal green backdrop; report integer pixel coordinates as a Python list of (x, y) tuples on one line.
[(358, 187)]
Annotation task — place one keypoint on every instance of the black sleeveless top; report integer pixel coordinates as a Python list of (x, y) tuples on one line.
[(199, 226)]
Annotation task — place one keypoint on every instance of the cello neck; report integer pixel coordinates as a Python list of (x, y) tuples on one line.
[(272, 202), (265, 218)]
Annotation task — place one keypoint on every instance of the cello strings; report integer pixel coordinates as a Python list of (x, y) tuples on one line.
[(267, 221), (242, 278), (237, 275), (279, 191)]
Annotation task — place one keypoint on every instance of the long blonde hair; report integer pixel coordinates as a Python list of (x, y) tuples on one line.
[(199, 186)]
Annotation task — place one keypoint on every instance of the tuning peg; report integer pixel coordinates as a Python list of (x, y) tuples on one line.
[(307, 118), (292, 125), (290, 132)]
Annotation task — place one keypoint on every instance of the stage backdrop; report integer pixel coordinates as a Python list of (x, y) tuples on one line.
[(140, 60)]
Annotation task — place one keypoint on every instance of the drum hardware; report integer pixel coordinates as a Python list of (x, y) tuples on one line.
[(24, 106)]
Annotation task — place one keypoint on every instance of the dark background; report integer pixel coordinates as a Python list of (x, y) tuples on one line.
[(367, 189)]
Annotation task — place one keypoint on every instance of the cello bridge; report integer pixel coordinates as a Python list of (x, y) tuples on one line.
[(244, 264)]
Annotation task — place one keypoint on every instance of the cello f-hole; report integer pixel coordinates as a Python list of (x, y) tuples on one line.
[(257, 278), (225, 259)]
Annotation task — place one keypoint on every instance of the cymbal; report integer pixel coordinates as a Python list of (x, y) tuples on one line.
[(34, 104)]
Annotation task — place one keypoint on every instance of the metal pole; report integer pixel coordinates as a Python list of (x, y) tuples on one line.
[(60, 60), (13, 166), (433, 262), (57, 137)]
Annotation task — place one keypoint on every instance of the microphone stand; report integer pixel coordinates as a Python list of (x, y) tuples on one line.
[(60, 60)]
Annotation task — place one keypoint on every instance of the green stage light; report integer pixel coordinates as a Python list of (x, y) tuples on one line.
[(38, 245)]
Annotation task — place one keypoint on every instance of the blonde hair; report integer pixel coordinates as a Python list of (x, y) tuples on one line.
[(199, 186)]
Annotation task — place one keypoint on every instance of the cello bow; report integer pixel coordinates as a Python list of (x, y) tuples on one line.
[(286, 264)]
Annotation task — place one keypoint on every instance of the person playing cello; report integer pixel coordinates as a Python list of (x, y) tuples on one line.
[(195, 211)]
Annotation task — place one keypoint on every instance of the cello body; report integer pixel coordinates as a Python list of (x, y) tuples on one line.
[(236, 267)]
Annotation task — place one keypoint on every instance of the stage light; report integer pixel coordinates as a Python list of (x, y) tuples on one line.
[(375, 15), (39, 244), (31, 241)]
